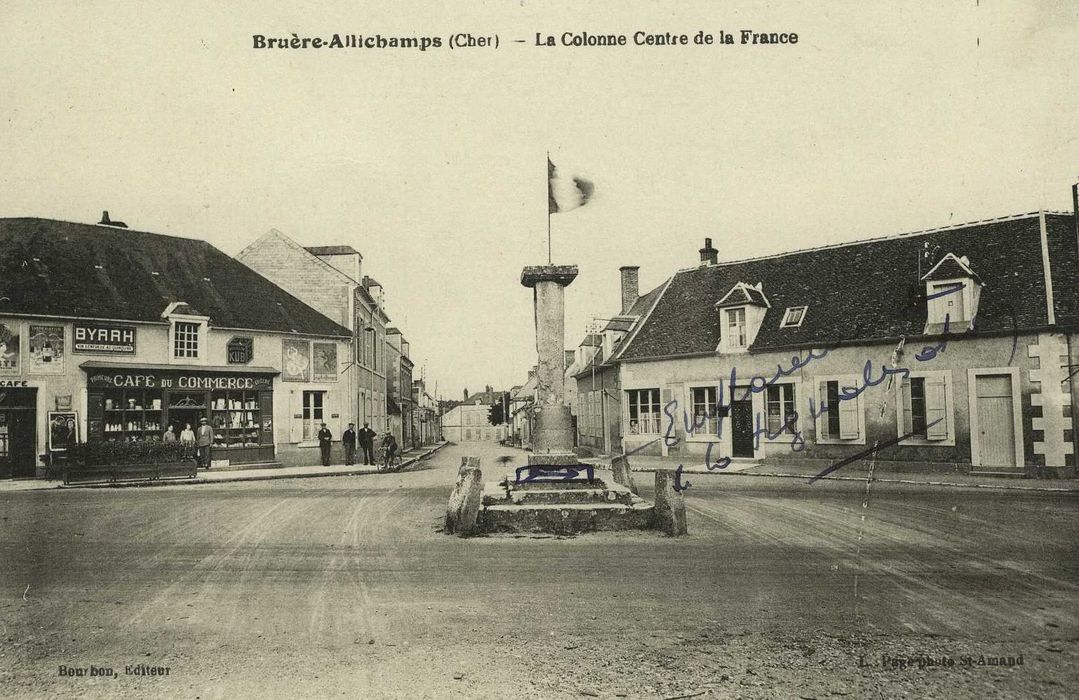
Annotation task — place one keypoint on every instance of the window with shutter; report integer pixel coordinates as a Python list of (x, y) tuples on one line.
[(839, 419), (936, 420), (926, 409), (848, 420)]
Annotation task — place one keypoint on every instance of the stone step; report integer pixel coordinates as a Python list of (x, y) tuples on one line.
[(566, 519), (554, 495), (1001, 472)]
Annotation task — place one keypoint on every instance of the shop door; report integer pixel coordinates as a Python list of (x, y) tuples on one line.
[(741, 428), (996, 425), (18, 436)]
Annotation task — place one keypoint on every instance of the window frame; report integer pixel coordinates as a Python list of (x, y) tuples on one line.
[(902, 388), (633, 401), (195, 325), (708, 431), (787, 323), (307, 412), (788, 396), (841, 380), (728, 313)]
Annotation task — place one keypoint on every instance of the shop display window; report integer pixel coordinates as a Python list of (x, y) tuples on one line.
[(236, 418), (132, 414)]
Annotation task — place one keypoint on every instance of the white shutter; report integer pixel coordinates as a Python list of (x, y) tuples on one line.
[(295, 408), (935, 405), (822, 415), (848, 420)]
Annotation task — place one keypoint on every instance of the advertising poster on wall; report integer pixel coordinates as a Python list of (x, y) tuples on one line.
[(9, 350), (295, 361), (46, 349), (325, 362), (63, 430)]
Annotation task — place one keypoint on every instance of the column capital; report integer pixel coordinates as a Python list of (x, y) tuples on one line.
[(560, 274)]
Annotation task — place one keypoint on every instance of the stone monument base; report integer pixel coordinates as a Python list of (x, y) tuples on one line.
[(562, 507)]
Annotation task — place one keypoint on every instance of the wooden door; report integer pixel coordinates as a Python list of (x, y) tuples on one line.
[(996, 426), (22, 439), (741, 428)]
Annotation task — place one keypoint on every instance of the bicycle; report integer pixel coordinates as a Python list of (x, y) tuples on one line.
[(387, 462)]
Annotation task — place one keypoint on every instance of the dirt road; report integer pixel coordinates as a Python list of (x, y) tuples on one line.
[(345, 587)]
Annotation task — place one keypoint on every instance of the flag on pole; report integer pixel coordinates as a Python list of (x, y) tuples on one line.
[(566, 193)]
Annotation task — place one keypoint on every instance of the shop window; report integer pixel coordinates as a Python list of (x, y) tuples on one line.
[(779, 405), (236, 418), (312, 413), (132, 414), (644, 415), (185, 339)]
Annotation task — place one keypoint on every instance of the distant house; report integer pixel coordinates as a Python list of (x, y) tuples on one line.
[(469, 420), (959, 343)]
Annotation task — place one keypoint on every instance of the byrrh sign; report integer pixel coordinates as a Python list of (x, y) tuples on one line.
[(103, 338)]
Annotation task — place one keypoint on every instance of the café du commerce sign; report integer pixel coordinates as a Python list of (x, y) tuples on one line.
[(177, 380)]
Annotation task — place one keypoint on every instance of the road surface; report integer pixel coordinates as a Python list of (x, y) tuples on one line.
[(345, 587)]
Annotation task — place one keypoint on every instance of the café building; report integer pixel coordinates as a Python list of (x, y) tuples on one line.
[(111, 334)]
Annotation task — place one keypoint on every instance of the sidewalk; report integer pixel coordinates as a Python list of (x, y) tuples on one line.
[(855, 473), (223, 477)]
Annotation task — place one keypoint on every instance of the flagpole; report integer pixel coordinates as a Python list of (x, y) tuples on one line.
[(548, 208)]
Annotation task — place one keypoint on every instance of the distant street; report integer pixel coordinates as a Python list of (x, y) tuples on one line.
[(344, 585)]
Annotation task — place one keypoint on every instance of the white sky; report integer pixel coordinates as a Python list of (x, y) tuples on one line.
[(432, 164)]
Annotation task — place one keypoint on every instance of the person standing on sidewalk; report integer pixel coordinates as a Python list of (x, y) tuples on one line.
[(187, 443), (325, 439), (367, 442), (204, 437), (348, 440)]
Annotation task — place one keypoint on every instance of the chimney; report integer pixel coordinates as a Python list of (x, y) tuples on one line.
[(106, 221), (709, 255), (466, 394), (630, 286)]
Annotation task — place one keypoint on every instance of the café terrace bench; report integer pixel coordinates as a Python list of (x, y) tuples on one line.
[(111, 473)]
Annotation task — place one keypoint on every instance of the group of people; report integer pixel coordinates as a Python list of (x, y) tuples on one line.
[(364, 437), (198, 443), (193, 443)]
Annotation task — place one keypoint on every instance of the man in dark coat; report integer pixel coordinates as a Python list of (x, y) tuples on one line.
[(325, 438), (367, 442), (348, 439), (204, 437)]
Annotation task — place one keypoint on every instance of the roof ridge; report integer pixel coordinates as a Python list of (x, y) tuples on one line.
[(875, 239)]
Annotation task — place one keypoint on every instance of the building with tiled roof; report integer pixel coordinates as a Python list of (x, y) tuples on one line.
[(126, 334), (596, 386), (469, 419), (330, 279), (782, 357)]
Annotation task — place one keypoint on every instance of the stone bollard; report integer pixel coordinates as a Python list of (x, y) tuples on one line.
[(622, 474), (466, 499), (670, 509)]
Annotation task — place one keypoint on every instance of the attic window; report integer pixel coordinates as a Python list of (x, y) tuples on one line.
[(793, 317)]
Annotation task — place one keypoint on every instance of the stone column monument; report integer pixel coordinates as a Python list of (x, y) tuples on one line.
[(553, 436)]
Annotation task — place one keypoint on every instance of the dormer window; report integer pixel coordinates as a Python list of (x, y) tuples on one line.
[(793, 317), (741, 311), (952, 290), (736, 327), (187, 331), (185, 339)]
